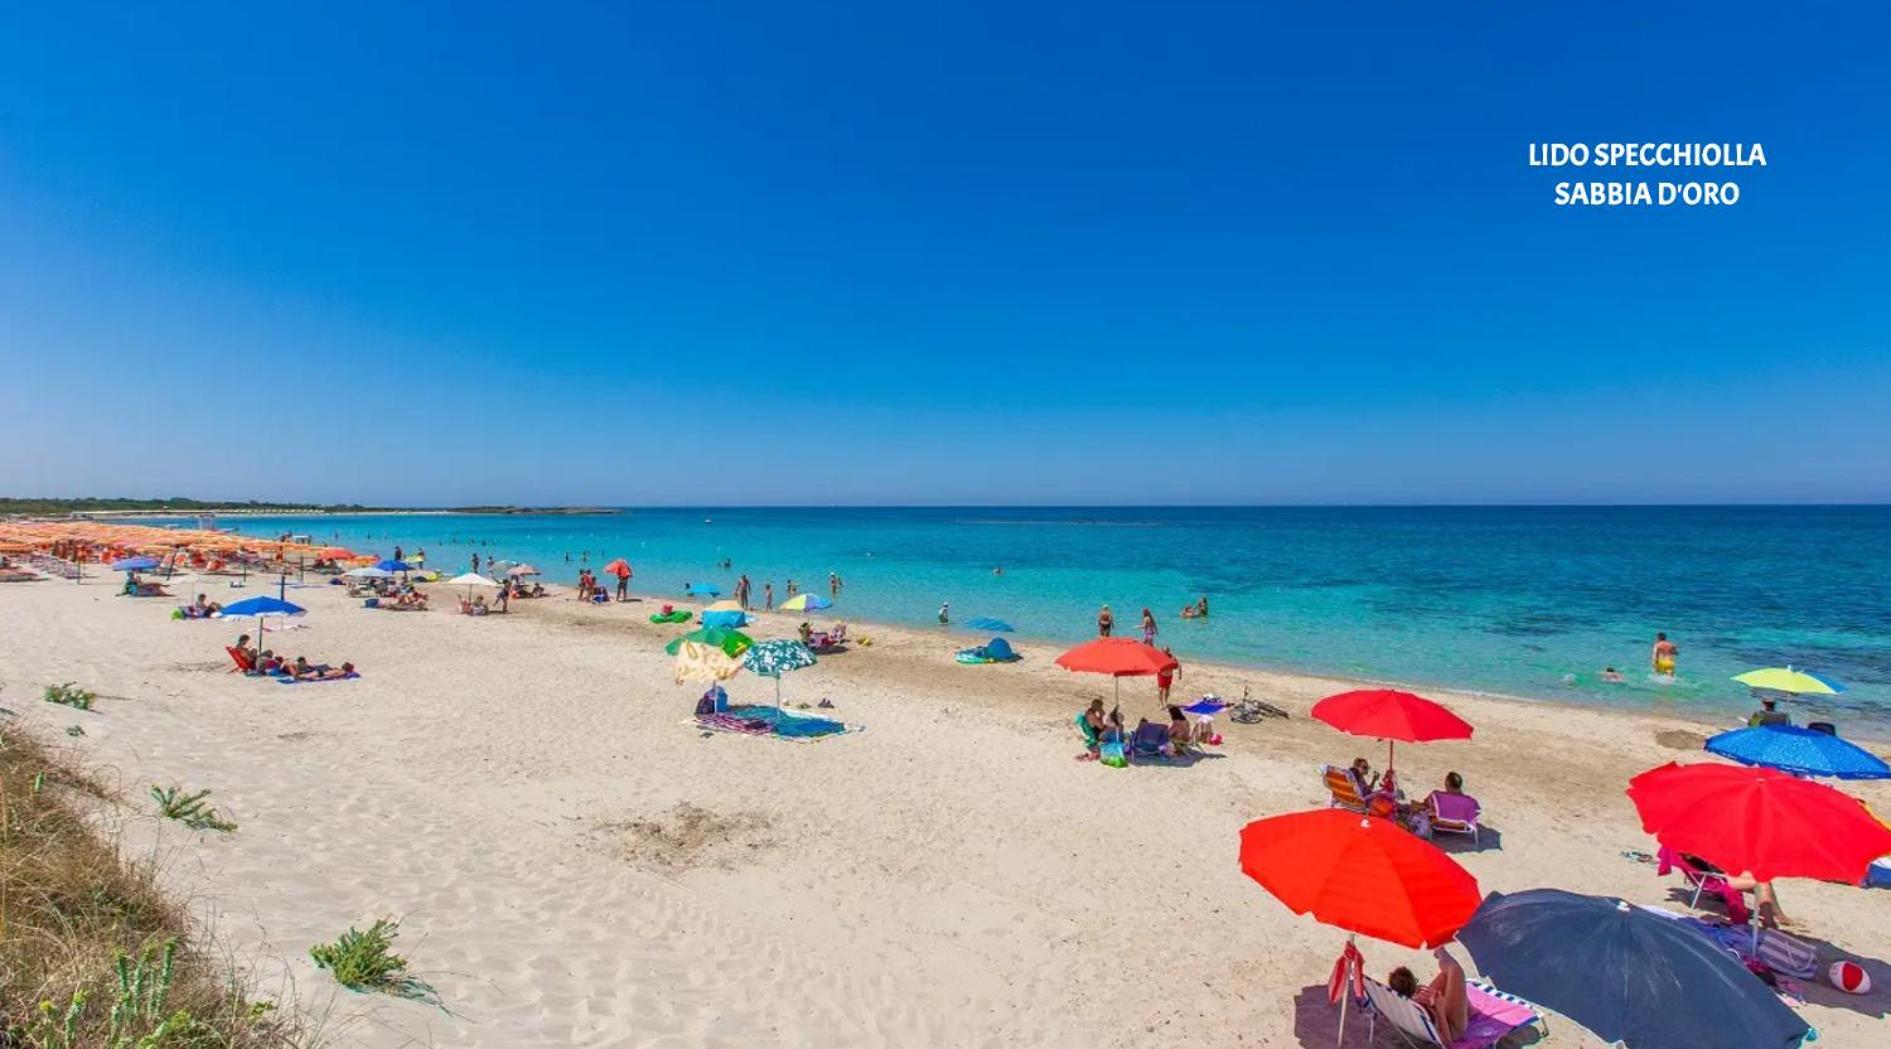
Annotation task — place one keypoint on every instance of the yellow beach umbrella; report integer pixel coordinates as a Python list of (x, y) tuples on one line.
[(696, 661), (1786, 679), (724, 606)]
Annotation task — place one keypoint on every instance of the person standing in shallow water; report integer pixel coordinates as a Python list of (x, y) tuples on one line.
[(1148, 627), (768, 596), (1105, 621), (1663, 655)]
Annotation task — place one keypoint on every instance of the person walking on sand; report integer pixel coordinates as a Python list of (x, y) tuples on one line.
[(1166, 678), (768, 596), (1148, 627), (1105, 621), (1663, 655)]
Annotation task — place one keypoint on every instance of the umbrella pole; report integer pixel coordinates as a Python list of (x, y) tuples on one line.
[(1345, 992)]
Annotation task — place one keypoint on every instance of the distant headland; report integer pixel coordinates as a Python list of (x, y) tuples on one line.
[(180, 507)]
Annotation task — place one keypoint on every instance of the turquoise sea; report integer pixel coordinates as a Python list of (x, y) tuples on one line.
[(1531, 602)]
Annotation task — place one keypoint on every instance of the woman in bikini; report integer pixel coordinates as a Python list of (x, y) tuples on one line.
[(1443, 998)]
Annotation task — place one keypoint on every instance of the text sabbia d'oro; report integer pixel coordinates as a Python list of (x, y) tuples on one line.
[(1656, 193)]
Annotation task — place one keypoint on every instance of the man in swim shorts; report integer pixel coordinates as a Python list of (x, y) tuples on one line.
[(1663, 655)]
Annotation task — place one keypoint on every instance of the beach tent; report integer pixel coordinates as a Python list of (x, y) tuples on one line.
[(998, 650)]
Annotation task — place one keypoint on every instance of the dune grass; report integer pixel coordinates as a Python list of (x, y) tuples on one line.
[(92, 953), (189, 809), (366, 962)]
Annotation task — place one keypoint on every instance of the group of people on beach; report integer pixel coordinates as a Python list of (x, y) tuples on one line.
[(296, 669)]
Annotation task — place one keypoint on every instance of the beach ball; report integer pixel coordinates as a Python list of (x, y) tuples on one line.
[(1849, 977)]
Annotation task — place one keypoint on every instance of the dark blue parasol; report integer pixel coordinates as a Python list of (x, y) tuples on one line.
[(1625, 973)]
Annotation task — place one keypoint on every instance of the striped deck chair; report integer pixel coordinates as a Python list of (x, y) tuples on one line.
[(1340, 785), (1494, 1015)]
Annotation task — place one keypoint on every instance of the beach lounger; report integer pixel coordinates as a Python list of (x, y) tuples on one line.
[(1704, 882), (1455, 813), (1494, 1015), (1340, 787)]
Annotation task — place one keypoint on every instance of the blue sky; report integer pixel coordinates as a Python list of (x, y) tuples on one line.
[(965, 252)]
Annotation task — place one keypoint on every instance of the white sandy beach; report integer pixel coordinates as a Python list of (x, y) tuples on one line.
[(519, 791)]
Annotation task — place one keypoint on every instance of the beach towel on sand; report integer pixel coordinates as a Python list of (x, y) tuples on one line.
[(316, 680)]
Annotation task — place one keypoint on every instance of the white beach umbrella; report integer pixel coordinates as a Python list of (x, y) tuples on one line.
[(470, 580), (369, 572)]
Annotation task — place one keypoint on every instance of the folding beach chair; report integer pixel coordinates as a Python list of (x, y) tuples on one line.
[(1494, 1015), (1456, 813), (1151, 742), (244, 664), (1340, 785), (1705, 882)]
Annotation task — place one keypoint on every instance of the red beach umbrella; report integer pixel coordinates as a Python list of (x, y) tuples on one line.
[(1391, 715), (1118, 657), (619, 568), (1755, 819), (1365, 875)]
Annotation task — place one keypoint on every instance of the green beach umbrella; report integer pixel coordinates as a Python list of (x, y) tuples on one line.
[(1786, 679), (732, 642), (777, 657)]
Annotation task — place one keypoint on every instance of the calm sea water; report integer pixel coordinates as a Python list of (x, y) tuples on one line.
[(1532, 602)]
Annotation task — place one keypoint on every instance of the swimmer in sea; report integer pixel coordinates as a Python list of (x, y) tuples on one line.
[(1663, 655), (1612, 675)]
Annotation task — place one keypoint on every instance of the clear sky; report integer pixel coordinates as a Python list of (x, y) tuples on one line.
[(937, 252)]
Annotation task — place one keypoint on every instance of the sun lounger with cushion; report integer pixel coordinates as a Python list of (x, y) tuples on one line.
[(1494, 1015), (1456, 813), (1343, 794)]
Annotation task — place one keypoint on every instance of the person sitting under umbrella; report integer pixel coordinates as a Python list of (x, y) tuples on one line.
[(1763, 894), (1444, 998), (1769, 714)]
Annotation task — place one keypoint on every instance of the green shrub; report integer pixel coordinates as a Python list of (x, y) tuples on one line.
[(189, 809), (365, 961), (70, 695)]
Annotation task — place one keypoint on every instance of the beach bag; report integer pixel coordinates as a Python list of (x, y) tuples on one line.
[(1112, 752)]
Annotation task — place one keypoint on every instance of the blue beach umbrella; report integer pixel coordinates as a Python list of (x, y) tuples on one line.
[(988, 624), (1629, 975), (135, 564), (1802, 751), (391, 565), (259, 609), (702, 588)]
